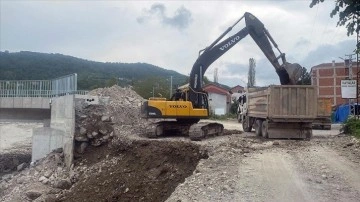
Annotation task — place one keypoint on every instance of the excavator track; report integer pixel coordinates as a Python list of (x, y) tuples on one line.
[(201, 131), (195, 131)]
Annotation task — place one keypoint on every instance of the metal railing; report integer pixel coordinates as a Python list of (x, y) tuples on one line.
[(64, 85), (39, 88)]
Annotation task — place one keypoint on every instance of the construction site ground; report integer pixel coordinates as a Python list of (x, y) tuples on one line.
[(237, 166)]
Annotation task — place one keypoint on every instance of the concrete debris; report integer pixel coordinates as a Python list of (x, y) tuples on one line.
[(21, 167), (33, 194), (63, 184)]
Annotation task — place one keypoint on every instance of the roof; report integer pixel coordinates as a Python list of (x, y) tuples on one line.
[(213, 88), (236, 87)]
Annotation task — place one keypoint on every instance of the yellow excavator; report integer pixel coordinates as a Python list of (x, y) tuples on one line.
[(189, 103)]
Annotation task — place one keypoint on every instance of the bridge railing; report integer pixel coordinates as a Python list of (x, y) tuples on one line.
[(39, 88)]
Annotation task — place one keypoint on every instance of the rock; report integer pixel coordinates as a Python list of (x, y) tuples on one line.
[(105, 119), (276, 143), (350, 144), (94, 134), (96, 142), (112, 134), (33, 194), (81, 138), (58, 150), (83, 147), (43, 180), (7, 177), (21, 167), (20, 180), (62, 184), (48, 173), (103, 131), (106, 137), (89, 135), (324, 177), (82, 131)]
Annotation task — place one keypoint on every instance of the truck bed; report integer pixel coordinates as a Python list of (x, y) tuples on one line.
[(283, 103)]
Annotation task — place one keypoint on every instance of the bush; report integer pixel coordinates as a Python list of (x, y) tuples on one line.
[(351, 126)]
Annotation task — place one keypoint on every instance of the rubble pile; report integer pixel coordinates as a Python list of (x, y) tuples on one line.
[(94, 123), (42, 180), (124, 104), (92, 127)]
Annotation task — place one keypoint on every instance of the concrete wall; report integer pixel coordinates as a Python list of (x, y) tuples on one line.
[(63, 119), (45, 140), (218, 103), (25, 102), (61, 130)]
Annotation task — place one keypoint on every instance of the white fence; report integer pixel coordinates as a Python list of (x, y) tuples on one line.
[(40, 88)]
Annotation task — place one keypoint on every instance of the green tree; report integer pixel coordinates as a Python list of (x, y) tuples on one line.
[(305, 78), (112, 81), (349, 12), (233, 107)]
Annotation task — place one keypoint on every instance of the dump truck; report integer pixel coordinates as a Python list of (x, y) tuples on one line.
[(280, 111), (323, 118)]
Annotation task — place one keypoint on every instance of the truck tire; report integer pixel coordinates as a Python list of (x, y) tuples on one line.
[(264, 129), (258, 126), (245, 125)]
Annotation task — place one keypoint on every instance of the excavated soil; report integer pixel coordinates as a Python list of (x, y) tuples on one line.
[(140, 170), (10, 161)]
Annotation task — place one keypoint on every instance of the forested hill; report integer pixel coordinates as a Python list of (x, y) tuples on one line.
[(26, 65)]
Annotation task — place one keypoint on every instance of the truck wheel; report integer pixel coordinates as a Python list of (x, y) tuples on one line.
[(264, 129), (245, 125), (258, 125)]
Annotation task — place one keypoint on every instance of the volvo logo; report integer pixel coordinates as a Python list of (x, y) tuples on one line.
[(228, 44), (178, 106)]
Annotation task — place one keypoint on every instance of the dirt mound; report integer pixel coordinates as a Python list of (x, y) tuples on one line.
[(134, 171), (124, 104)]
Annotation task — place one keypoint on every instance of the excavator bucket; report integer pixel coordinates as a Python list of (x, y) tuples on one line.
[(294, 72)]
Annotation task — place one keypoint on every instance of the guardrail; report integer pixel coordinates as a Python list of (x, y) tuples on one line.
[(40, 88)]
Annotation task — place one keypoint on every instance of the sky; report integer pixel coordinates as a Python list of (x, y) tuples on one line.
[(169, 34)]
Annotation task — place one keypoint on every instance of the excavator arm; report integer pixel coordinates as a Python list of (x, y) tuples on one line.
[(288, 73)]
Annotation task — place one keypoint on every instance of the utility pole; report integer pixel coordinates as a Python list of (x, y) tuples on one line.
[(171, 77), (357, 72)]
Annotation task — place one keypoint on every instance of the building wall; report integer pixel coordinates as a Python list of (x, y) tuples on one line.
[(218, 103), (328, 78)]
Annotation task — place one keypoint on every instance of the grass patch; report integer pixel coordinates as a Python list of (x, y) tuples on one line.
[(351, 126), (222, 117)]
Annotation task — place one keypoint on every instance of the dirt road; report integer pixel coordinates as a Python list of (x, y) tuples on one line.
[(324, 169)]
